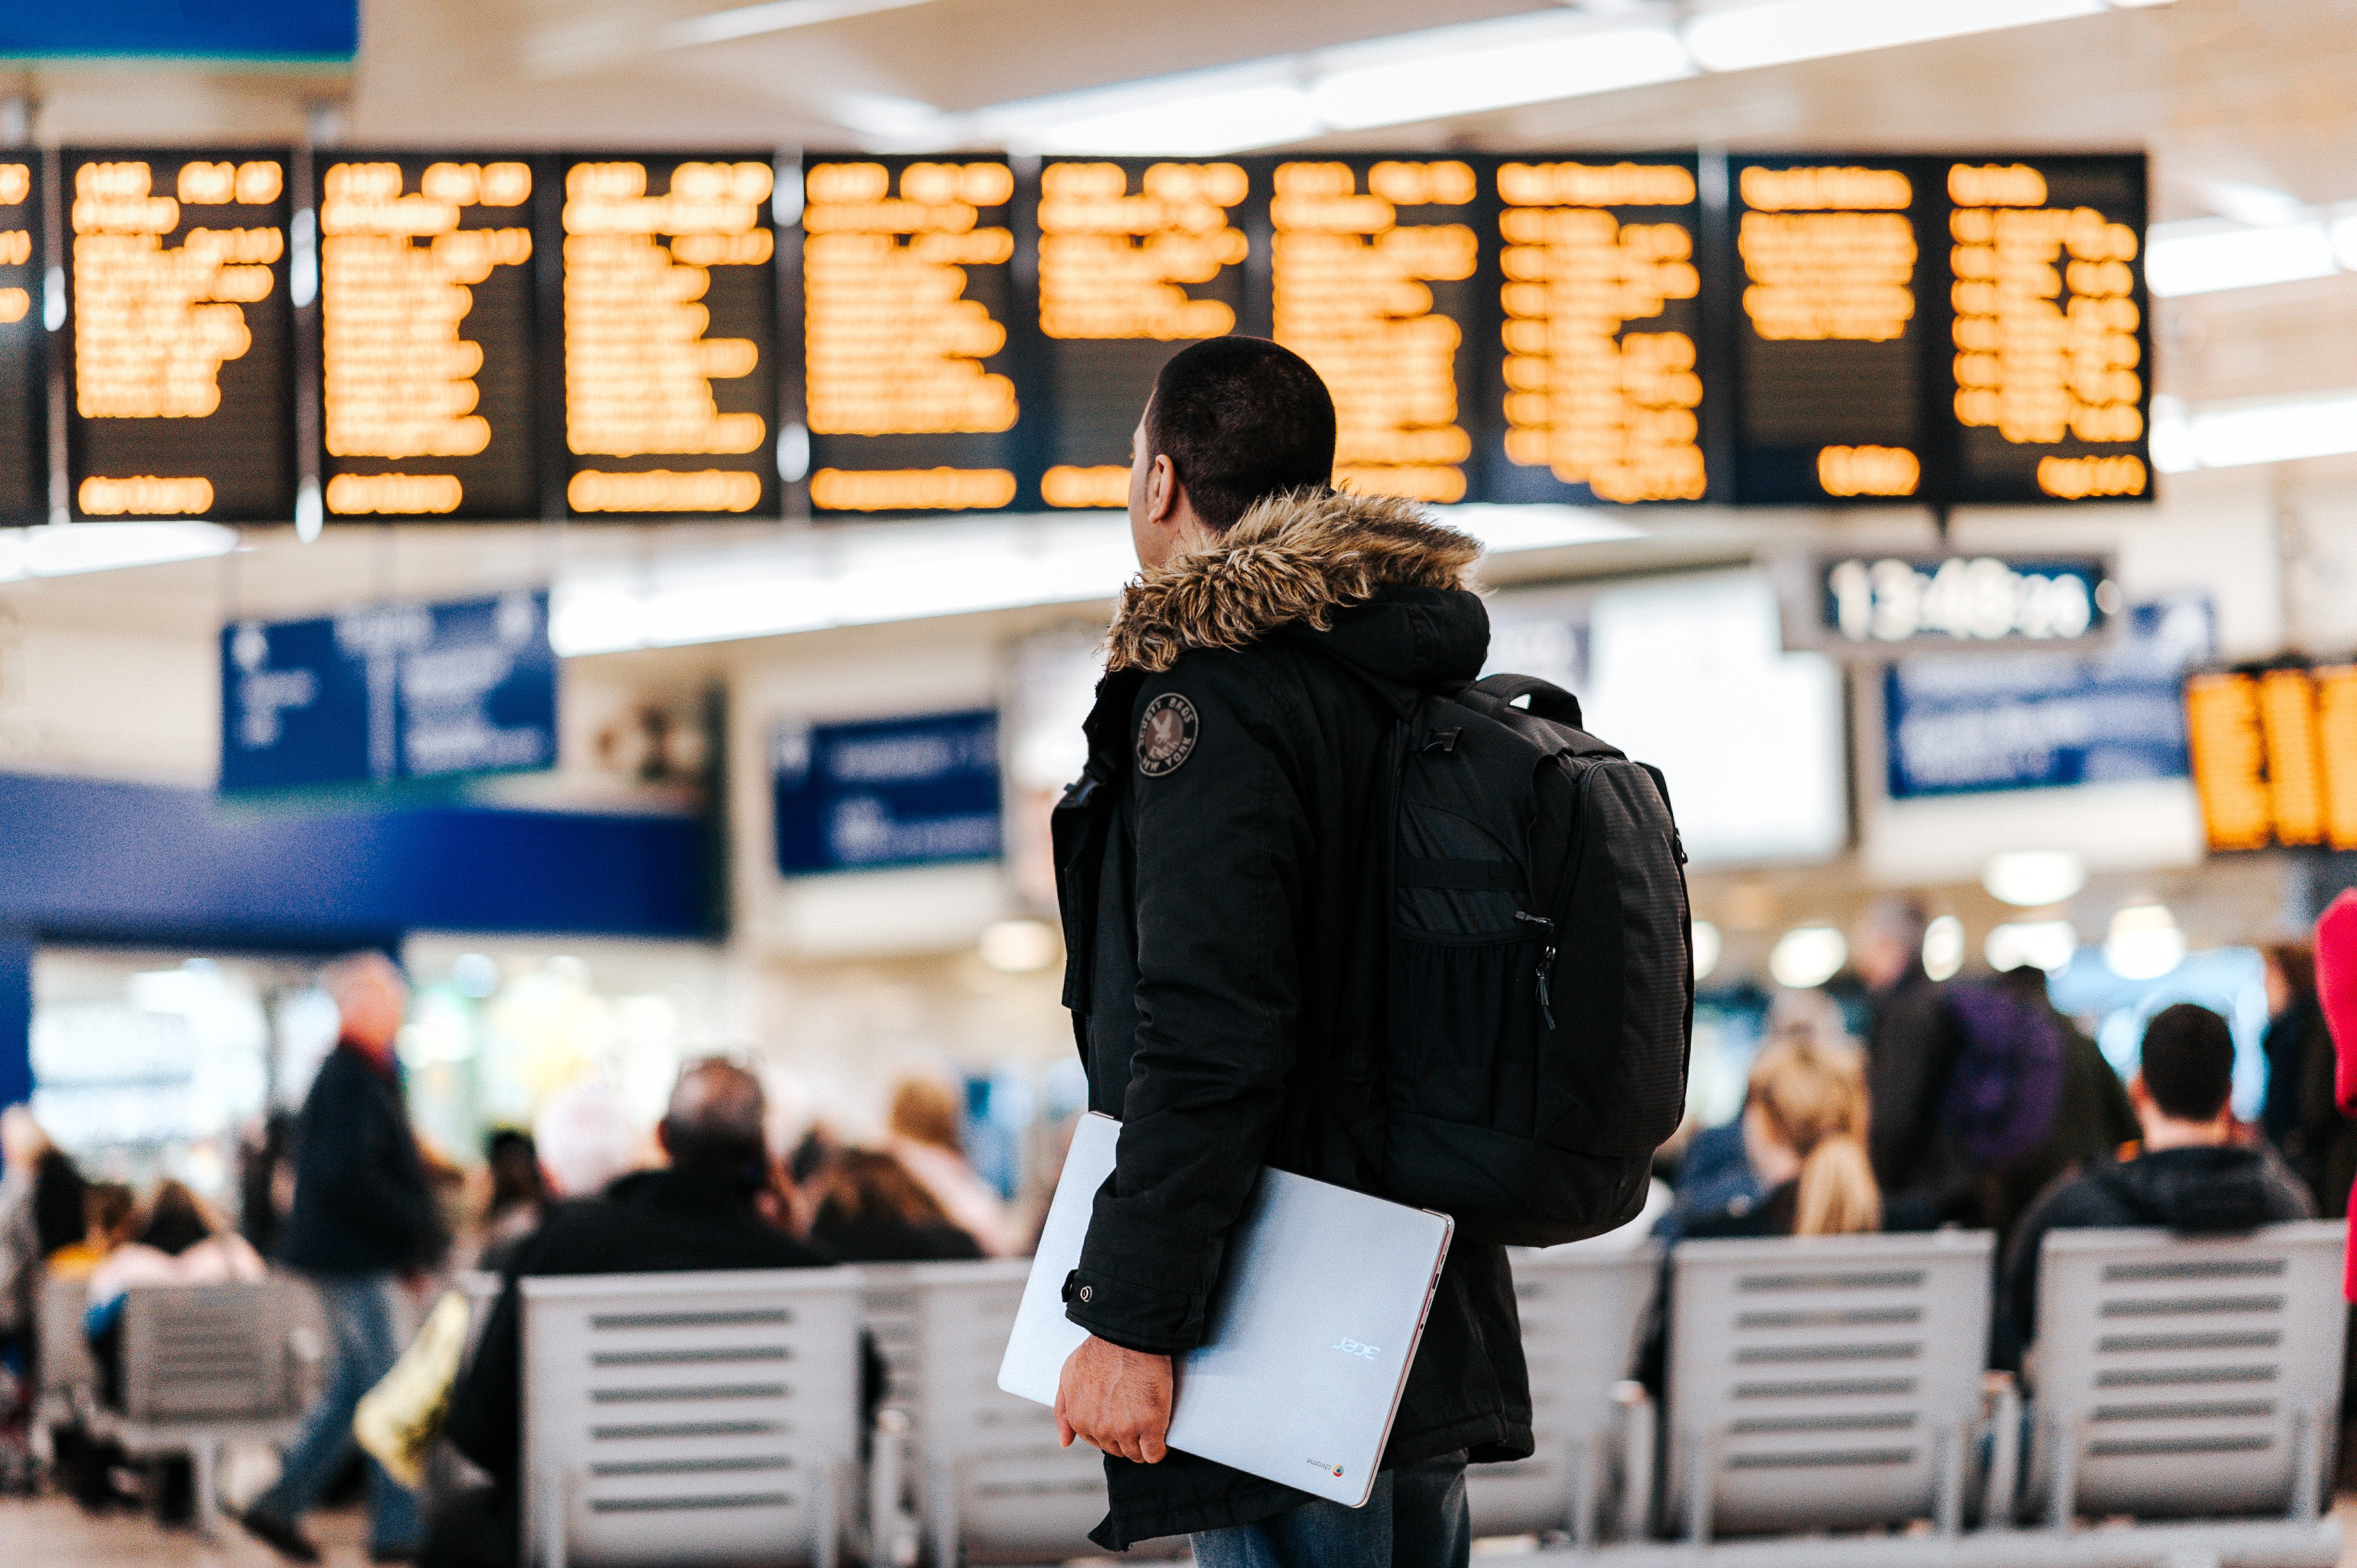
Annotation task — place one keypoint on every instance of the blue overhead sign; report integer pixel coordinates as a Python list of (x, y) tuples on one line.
[(314, 31), (1970, 723), (912, 791), (389, 693)]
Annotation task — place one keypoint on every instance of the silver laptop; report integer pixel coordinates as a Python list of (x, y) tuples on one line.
[(1313, 1328)]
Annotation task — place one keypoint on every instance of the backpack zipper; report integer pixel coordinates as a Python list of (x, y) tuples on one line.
[(1545, 965)]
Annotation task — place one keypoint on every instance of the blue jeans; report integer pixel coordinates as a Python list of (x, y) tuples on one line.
[(360, 1310), (1417, 1518)]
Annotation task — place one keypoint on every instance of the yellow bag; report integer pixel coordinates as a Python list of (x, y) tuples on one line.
[(398, 1417)]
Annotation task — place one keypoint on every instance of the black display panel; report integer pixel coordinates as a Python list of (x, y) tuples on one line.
[(180, 373), (1375, 268), (1136, 259), (2051, 374), (24, 359), (429, 347), (669, 324), (910, 309), (1598, 382), (1839, 322)]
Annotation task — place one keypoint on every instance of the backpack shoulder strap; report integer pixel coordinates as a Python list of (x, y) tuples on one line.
[(1548, 699)]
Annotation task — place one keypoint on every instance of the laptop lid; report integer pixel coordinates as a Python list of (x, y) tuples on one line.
[(1320, 1307)]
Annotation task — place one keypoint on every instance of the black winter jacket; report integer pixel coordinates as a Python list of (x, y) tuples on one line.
[(361, 1203), (1220, 866)]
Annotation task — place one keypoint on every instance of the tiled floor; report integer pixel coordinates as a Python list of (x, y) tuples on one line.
[(51, 1532)]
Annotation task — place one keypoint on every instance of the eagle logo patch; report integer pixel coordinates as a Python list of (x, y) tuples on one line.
[(1166, 736)]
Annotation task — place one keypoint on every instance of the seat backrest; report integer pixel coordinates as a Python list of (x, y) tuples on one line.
[(689, 1417), (1581, 1310), (1016, 1491), (2188, 1374), (65, 1366), (208, 1351), (887, 1305), (1825, 1381)]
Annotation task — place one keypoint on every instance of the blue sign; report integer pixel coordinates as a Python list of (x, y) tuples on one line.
[(392, 692), (1970, 723), (915, 791), (182, 29)]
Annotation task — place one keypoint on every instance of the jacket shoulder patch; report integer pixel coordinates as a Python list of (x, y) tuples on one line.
[(1165, 736)]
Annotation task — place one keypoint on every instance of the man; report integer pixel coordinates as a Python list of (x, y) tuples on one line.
[(1221, 871), (2187, 1173), (1910, 1052), (697, 1213), (363, 1224)]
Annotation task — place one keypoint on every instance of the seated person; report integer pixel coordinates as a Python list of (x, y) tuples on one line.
[(2185, 1172), (180, 1242), (1803, 1131), (699, 1212), (874, 1211), (110, 1218), (1803, 1127), (582, 1139)]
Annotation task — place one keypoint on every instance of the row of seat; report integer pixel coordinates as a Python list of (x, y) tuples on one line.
[(1828, 1384)]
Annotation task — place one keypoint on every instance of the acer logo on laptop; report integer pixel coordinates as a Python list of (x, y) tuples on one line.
[(1352, 1347)]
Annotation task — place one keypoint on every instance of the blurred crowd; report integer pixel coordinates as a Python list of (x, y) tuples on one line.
[(1908, 1104)]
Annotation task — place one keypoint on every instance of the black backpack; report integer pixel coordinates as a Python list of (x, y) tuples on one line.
[(1542, 971)]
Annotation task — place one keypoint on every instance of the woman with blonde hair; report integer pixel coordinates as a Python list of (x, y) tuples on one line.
[(924, 1138), (1804, 1119)]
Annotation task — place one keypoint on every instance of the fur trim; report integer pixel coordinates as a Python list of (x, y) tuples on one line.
[(1297, 557)]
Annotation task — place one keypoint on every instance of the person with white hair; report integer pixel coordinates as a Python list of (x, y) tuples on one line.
[(585, 1139), (363, 1225), (1911, 1055)]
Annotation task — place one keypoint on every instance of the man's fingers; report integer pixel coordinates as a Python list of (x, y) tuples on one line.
[(1152, 1448), (1064, 1432)]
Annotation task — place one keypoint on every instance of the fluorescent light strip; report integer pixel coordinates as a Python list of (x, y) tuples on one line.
[(2235, 435), (776, 17), (2208, 256), (1440, 72), (862, 575), (66, 549)]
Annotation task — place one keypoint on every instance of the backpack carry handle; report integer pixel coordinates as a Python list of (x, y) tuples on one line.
[(1548, 701)]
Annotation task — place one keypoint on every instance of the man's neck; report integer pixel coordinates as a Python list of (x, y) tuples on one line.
[(2162, 1133)]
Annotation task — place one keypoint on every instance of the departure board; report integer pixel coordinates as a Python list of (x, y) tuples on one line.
[(670, 328), (1600, 382), (908, 297), (180, 380), (1838, 344), (1136, 260), (24, 363), (2052, 372), (2275, 755), (428, 351), (1374, 268)]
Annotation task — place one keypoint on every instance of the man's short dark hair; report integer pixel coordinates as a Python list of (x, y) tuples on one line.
[(715, 1118), (2188, 1062), (1240, 419)]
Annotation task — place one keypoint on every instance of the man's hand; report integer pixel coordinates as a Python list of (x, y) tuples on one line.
[(1119, 1400)]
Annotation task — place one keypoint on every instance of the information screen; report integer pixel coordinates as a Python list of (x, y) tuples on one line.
[(1136, 260), (908, 295), (670, 328), (2050, 380), (181, 378), (2275, 755), (428, 354), (1374, 270), (1600, 390), (1838, 344), (24, 365)]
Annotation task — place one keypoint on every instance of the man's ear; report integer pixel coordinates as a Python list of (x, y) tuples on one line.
[(1164, 493), (2139, 1095), (662, 1137)]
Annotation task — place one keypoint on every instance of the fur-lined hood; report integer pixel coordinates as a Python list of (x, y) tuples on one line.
[(1298, 557)]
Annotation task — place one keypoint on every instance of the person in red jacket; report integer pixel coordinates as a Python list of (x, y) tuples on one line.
[(2336, 991)]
